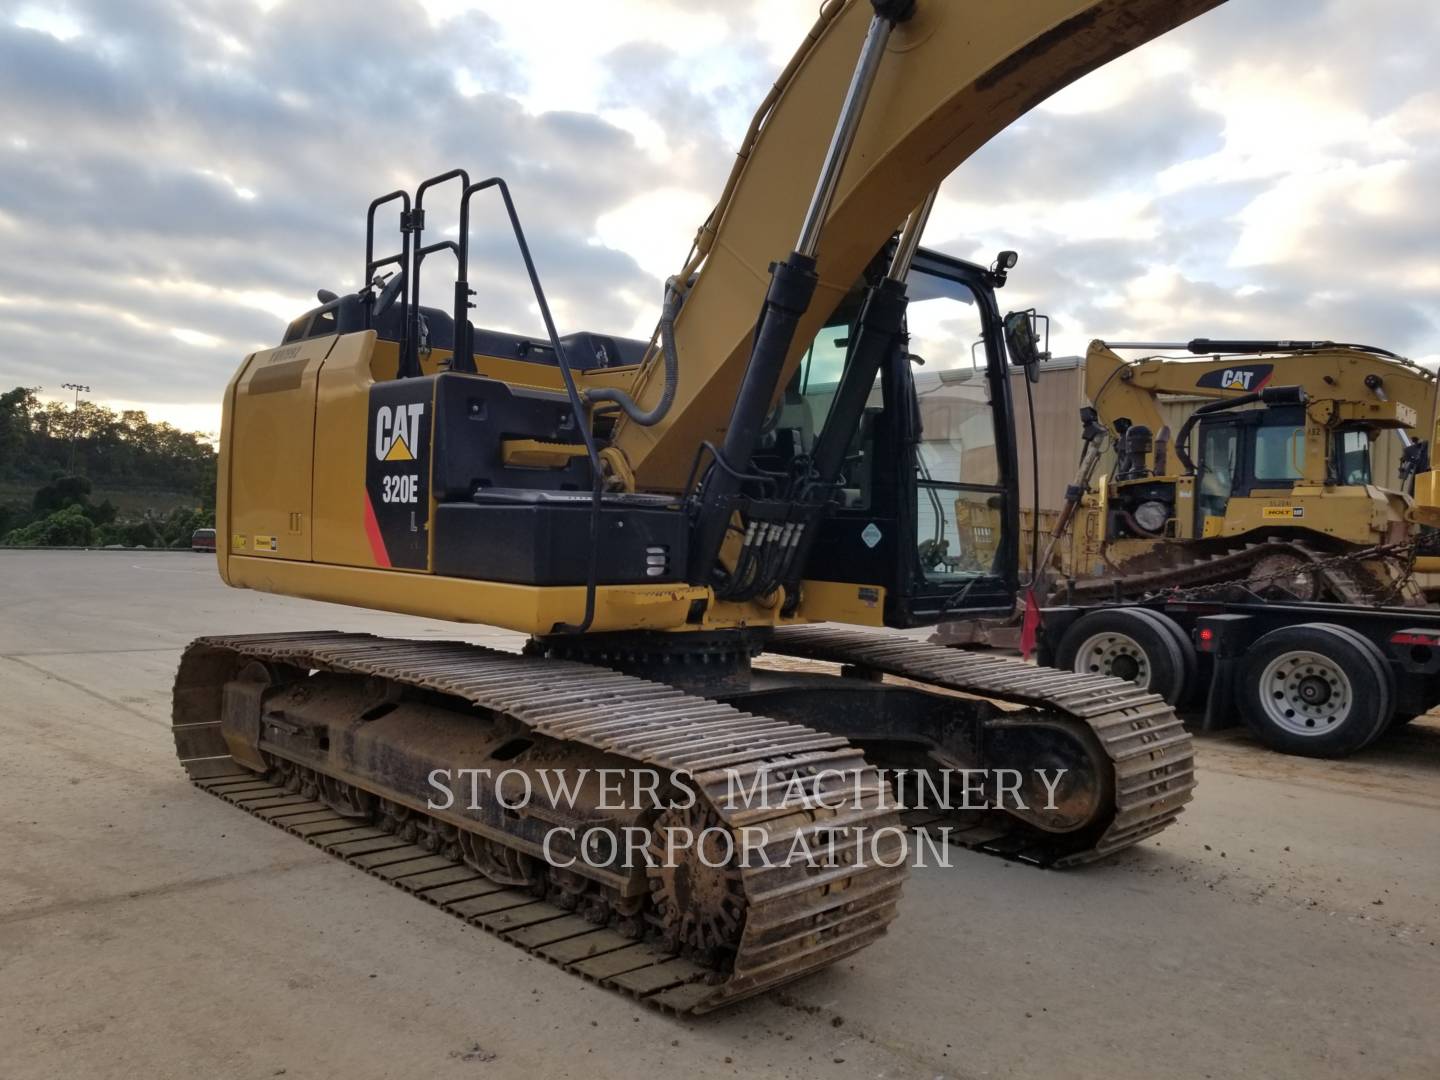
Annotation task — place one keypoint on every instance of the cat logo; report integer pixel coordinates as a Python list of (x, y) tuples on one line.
[(396, 430), (1245, 379)]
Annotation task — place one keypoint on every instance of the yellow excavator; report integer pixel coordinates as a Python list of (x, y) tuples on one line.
[(1270, 484), (660, 519)]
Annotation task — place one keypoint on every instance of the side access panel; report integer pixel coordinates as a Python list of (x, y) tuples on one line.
[(271, 454), (342, 450)]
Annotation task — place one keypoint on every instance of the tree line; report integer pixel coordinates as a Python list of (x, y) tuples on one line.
[(57, 456)]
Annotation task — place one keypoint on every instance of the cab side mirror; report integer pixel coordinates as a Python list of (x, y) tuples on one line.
[(1022, 341)]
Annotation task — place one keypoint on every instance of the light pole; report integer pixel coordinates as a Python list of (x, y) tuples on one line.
[(74, 418)]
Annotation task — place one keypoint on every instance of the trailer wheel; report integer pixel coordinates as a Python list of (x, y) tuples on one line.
[(1387, 675), (1128, 643), (1316, 690), (1190, 661)]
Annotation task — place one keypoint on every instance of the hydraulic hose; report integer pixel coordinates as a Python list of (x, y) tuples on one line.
[(1270, 395), (1182, 440), (648, 418)]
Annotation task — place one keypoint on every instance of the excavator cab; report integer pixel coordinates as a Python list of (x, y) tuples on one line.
[(937, 534), (1245, 452), (1262, 453)]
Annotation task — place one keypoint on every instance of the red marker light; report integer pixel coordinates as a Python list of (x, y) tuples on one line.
[(1206, 639), (1412, 637)]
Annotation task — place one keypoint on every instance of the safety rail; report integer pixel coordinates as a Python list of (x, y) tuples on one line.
[(411, 258), (400, 260)]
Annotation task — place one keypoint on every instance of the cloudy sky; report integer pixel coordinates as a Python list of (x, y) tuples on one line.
[(177, 177)]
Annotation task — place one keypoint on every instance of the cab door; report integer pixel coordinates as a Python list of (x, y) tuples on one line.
[(930, 507), (1220, 465)]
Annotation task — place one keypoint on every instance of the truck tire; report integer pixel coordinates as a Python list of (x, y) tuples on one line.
[(1128, 643), (1316, 690), (1189, 659), (1387, 673)]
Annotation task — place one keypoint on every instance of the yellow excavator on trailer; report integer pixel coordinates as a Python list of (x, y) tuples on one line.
[(1270, 484), (1272, 488), (656, 516)]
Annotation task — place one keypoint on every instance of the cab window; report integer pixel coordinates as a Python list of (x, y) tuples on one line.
[(1217, 468), (1352, 457), (959, 512), (1279, 452), (820, 373)]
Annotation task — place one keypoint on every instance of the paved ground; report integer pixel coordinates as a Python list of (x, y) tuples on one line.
[(1287, 928)]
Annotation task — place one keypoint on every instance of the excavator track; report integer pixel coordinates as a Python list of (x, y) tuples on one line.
[(1340, 578), (1151, 754), (793, 919), (1347, 578)]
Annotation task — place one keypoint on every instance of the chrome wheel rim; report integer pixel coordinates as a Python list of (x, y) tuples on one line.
[(1306, 694), (1115, 654)]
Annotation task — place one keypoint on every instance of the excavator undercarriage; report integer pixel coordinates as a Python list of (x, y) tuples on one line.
[(337, 738)]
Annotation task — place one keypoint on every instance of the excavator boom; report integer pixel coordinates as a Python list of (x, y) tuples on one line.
[(953, 76), (1132, 389)]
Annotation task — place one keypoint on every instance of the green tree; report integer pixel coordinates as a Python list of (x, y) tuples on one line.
[(61, 492), (64, 528), (121, 452), (12, 516), (16, 408)]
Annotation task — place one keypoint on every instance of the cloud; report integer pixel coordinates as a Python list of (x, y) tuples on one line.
[(173, 174), (177, 178), (1264, 171), (1053, 156)]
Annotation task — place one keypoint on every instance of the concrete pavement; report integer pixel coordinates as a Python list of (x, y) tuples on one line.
[(1287, 927)]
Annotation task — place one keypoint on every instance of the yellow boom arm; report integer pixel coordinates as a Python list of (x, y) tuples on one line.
[(1130, 389), (953, 76)]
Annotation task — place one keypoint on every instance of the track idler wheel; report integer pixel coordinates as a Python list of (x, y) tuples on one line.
[(696, 886), (1284, 577), (1068, 755)]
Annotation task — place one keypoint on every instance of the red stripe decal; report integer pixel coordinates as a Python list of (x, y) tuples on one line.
[(372, 533)]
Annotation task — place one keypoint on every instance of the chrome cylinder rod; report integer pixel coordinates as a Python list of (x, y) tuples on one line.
[(910, 239), (861, 83), (1165, 346)]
